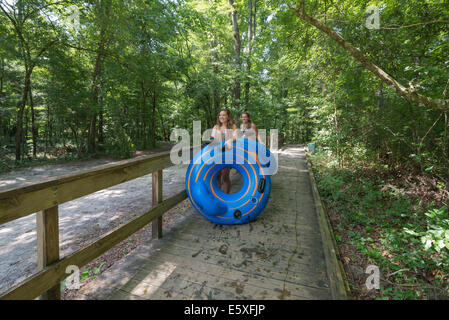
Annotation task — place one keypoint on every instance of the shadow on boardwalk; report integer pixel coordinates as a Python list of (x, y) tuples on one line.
[(278, 256), (82, 220)]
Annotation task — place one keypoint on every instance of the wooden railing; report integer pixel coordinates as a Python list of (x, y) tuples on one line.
[(43, 199)]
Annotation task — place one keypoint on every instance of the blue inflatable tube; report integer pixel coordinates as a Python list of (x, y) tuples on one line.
[(252, 160)]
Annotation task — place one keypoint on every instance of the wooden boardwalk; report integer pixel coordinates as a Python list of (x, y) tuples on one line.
[(280, 255)]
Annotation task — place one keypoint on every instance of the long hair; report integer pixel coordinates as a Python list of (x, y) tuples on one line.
[(249, 120), (230, 120)]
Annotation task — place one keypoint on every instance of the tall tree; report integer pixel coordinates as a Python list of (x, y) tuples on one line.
[(409, 93), (104, 22), (252, 12), (34, 40), (237, 50)]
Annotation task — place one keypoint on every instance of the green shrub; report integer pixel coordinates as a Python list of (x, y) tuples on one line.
[(389, 231), (120, 144), (436, 235)]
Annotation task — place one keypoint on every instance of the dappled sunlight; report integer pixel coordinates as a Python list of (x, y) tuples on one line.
[(185, 263), (17, 241), (18, 257), (4, 183), (81, 221), (354, 87), (150, 281), (105, 193), (292, 169), (20, 240), (5, 230)]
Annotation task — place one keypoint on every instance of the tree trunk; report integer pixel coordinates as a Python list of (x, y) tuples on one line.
[(238, 67), (251, 32), (216, 93), (143, 125), (2, 74), (33, 123), (153, 121), (334, 97), (20, 111), (164, 129), (210, 116), (379, 115), (92, 133), (98, 75), (100, 127), (25, 135), (75, 137), (446, 140), (2, 71), (408, 93), (96, 91)]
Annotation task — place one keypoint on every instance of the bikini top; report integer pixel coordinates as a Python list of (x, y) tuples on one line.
[(221, 135), (247, 132)]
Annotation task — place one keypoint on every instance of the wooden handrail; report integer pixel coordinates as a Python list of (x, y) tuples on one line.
[(56, 272), (19, 202), (44, 197)]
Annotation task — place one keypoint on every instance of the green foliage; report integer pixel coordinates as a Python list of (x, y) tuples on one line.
[(90, 274), (84, 275), (436, 234), (156, 65), (3, 166), (136, 69), (121, 145), (388, 230)]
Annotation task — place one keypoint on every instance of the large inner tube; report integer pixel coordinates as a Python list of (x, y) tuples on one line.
[(251, 159)]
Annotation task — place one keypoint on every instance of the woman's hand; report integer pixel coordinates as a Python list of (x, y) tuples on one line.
[(228, 144)]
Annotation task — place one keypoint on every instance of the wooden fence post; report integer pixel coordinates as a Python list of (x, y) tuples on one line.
[(48, 245), (157, 198)]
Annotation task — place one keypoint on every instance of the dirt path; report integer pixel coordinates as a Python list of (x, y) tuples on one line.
[(81, 221)]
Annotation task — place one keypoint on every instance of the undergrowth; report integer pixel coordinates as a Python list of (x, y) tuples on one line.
[(374, 225)]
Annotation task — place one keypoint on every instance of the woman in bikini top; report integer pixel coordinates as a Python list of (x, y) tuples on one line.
[(248, 129), (225, 129)]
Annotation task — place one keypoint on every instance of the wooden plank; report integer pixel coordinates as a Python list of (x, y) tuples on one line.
[(48, 246), (263, 228), (237, 236), (123, 295), (255, 232), (184, 282), (157, 198), (54, 273), (252, 285), (21, 202), (278, 256), (335, 270), (308, 252), (274, 267), (54, 181)]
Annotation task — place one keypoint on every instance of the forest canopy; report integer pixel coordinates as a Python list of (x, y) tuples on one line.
[(104, 76)]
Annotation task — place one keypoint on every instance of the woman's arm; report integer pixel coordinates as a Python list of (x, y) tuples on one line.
[(215, 133), (256, 132), (235, 132), (233, 138)]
